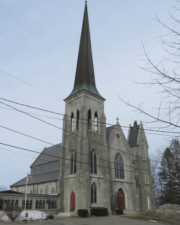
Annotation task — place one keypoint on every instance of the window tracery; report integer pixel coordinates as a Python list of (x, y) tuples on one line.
[(119, 166)]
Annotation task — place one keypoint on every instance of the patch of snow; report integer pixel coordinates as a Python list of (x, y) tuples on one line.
[(5, 218), (1, 213), (32, 215)]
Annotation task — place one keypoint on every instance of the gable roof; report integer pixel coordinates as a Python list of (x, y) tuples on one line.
[(109, 131), (48, 155), (39, 178), (133, 135)]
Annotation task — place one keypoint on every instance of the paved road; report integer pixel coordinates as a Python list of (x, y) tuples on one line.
[(110, 220)]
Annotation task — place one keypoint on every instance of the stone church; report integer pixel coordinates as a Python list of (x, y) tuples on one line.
[(95, 165)]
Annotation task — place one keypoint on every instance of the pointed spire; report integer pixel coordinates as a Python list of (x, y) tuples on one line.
[(85, 78)]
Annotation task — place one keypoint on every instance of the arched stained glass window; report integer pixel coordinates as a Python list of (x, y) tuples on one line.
[(119, 166), (77, 120), (93, 193), (93, 162), (95, 121), (89, 119)]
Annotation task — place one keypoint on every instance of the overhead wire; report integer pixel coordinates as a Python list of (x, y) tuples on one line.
[(171, 132), (59, 146), (63, 129), (29, 150), (47, 92)]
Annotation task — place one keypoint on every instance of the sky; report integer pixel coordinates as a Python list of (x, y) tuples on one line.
[(39, 42)]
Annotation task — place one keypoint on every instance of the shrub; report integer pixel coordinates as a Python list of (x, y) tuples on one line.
[(50, 217), (119, 211), (13, 211), (99, 211), (82, 212)]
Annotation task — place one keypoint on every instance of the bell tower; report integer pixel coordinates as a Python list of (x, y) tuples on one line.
[(84, 176)]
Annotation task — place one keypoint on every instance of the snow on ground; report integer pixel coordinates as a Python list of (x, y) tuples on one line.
[(1, 213), (32, 215)]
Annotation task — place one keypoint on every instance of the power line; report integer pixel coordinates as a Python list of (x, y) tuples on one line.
[(171, 132), (61, 147), (125, 127), (62, 128), (29, 84), (25, 149)]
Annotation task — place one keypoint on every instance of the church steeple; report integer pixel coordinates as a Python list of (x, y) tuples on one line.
[(85, 78)]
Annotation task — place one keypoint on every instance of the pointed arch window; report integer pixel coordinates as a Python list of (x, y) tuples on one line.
[(142, 150), (93, 162), (93, 193), (72, 121), (77, 120), (41, 192), (89, 119), (73, 163), (95, 121), (119, 166)]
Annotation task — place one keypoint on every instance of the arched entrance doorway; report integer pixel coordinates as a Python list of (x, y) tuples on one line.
[(72, 207), (120, 200)]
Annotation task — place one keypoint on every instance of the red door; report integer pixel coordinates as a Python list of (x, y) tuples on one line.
[(120, 201), (72, 201)]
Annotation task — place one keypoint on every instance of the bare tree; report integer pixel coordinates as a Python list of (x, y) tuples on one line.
[(155, 163), (3, 188), (167, 79), (13, 211)]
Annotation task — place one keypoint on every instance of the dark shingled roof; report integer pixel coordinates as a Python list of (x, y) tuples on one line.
[(39, 178), (133, 136), (10, 192), (108, 131), (48, 155), (85, 78)]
